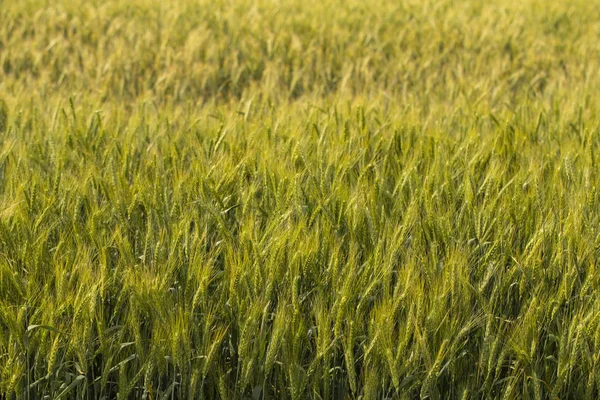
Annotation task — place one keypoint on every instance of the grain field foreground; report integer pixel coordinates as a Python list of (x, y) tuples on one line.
[(299, 199)]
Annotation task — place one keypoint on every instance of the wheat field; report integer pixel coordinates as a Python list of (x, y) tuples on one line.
[(299, 199)]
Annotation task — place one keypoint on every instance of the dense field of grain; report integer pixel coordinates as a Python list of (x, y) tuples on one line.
[(299, 199)]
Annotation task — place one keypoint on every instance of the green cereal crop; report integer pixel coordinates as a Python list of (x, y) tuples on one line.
[(299, 199)]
